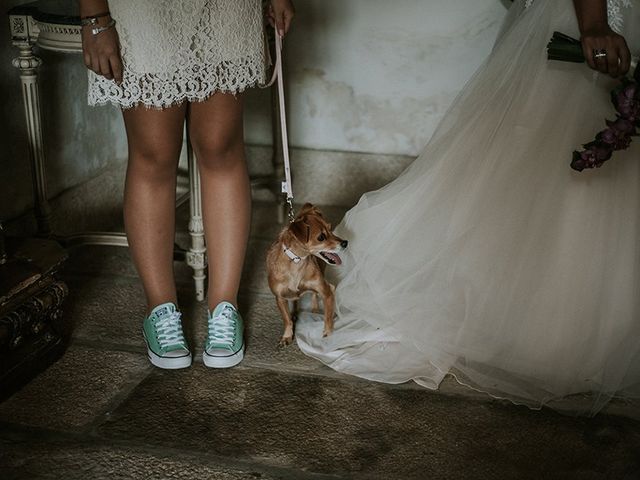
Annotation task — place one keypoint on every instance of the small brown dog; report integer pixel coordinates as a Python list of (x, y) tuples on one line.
[(296, 263)]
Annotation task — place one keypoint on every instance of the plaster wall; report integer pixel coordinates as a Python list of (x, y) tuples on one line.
[(377, 76)]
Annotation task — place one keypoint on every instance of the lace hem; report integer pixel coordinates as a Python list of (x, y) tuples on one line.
[(163, 90), (616, 19)]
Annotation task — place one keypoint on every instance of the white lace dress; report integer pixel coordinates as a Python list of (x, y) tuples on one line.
[(490, 258), (183, 50)]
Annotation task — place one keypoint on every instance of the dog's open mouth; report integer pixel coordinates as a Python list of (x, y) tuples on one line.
[(331, 258)]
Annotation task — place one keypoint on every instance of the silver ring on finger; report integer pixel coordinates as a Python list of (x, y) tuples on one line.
[(599, 53)]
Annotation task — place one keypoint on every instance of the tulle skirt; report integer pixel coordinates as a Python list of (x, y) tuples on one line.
[(489, 258)]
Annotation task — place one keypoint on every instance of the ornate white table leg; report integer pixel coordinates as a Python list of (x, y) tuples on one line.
[(197, 253), (28, 64)]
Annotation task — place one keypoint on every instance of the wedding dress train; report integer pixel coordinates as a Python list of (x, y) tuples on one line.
[(489, 258)]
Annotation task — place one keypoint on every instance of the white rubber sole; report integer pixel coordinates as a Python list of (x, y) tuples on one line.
[(223, 362), (169, 363)]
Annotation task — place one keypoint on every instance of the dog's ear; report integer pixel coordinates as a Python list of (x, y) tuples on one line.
[(309, 209), (306, 207), (300, 230)]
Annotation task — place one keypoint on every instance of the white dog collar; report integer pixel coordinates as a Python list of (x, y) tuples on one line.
[(289, 253)]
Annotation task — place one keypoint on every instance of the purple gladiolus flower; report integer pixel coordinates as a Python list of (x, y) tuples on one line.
[(627, 101), (618, 142), (580, 161), (623, 126), (619, 134), (594, 155)]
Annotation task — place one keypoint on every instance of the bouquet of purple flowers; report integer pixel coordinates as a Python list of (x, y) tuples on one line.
[(625, 99), (617, 135)]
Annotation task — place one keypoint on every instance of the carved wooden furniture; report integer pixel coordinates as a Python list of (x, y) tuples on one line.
[(55, 25), (32, 333)]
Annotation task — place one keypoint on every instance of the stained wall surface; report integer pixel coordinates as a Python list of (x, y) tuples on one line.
[(377, 76)]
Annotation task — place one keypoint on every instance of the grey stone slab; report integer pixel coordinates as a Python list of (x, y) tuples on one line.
[(78, 210), (362, 429), (72, 460), (99, 260), (263, 329), (108, 310), (74, 391), (111, 310), (96, 260), (254, 275)]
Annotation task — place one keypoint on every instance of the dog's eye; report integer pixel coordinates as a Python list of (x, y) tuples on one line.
[(322, 237)]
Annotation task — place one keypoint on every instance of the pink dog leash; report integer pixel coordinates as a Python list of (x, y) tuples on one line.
[(277, 74)]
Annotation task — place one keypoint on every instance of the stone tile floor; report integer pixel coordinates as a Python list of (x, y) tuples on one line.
[(101, 412)]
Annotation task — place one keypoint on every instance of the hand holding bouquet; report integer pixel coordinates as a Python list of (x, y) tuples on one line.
[(625, 99)]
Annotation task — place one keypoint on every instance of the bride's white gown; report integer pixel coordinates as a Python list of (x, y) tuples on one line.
[(489, 258)]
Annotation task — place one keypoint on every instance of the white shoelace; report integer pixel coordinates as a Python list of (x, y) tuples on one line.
[(169, 330), (222, 328)]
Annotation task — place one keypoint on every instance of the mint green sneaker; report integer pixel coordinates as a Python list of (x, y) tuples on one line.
[(225, 343), (166, 346)]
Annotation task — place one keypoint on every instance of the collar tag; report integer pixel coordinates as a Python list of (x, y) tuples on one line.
[(289, 253)]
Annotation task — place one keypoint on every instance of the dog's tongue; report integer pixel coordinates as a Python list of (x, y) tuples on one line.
[(336, 259)]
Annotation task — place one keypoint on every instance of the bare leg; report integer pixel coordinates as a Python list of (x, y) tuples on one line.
[(217, 137), (155, 138)]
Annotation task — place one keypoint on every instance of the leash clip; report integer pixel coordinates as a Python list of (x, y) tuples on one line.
[(290, 213)]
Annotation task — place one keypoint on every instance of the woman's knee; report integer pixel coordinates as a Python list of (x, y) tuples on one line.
[(218, 151), (154, 139), (157, 159)]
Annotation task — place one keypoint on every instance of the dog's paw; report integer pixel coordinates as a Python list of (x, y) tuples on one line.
[(285, 342), (326, 332)]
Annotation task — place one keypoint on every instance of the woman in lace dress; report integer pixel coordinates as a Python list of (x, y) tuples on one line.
[(490, 258), (160, 62)]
